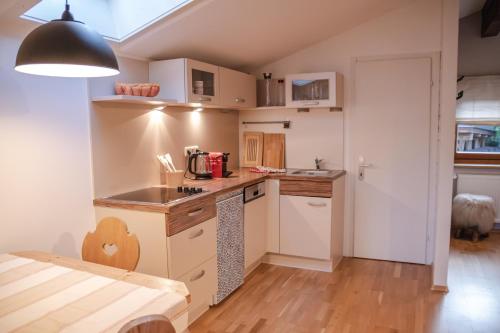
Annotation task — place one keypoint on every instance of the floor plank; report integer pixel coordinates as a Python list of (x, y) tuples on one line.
[(367, 296)]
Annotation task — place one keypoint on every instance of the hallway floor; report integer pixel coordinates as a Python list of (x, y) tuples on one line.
[(367, 296)]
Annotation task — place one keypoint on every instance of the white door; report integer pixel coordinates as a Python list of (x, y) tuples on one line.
[(391, 136), (255, 230)]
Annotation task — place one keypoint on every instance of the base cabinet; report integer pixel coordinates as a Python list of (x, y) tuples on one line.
[(202, 285), (189, 256), (305, 226), (255, 230)]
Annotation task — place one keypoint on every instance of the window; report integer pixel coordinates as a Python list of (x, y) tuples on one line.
[(116, 20), (478, 120), (477, 143)]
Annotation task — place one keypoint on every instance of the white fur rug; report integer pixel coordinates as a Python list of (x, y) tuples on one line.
[(471, 210)]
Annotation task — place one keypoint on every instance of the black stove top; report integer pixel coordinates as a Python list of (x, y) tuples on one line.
[(160, 195)]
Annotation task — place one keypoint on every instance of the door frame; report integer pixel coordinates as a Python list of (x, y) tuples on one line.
[(351, 162)]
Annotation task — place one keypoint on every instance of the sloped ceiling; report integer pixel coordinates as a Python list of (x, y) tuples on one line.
[(469, 7), (251, 33), (232, 33)]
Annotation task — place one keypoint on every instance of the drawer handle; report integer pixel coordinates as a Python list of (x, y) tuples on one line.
[(239, 100), (316, 204), (204, 99), (197, 276), (196, 234), (195, 212)]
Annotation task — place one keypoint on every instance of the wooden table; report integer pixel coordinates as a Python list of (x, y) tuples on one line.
[(41, 292)]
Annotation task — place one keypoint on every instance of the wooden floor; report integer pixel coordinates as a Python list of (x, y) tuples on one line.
[(367, 296)]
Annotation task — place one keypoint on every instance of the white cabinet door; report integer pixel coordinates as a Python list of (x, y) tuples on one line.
[(237, 89), (311, 90), (255, 230), (305, 226), (202, 82), (273, 215)]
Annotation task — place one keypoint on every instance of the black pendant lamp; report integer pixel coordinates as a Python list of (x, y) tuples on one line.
[(66, 48)]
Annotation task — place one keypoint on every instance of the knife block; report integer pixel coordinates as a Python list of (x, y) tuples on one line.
[(174, 179)]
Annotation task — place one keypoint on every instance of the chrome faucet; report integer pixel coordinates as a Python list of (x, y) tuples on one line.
[(317, 161)]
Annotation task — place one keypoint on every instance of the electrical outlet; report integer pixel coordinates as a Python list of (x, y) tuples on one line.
[(190, 149)]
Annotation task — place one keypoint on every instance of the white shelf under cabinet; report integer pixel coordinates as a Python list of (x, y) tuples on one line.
[(125, 99), (258, 108)]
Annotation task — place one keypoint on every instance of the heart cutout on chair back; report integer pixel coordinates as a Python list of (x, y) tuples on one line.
[(109, 249)]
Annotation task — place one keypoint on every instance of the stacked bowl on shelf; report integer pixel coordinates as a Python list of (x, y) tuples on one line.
[(137, 89)]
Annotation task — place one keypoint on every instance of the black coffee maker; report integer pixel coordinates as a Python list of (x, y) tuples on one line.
[(225, 159)]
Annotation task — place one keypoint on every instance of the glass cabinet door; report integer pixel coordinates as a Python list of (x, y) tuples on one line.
[(310, 90), (203, 81)]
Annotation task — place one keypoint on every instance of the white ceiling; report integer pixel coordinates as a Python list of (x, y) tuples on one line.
[(468, 7), (250, 33), (233, 33)]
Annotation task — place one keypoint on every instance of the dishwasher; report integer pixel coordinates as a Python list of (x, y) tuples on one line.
[(230, 244)]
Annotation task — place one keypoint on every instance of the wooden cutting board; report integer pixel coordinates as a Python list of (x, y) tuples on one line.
[(253, 148), (274, 150)]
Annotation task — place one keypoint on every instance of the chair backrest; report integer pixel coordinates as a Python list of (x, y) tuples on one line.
[(111, 244), (148, 324)]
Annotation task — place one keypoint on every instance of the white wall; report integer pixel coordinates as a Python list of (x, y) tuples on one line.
[(318, 133), (416, 28), (126, 139), (45, 176)]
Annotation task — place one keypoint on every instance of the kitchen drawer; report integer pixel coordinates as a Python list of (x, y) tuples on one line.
[(189, 248), (307, 188), (190, 213), (202, 285)]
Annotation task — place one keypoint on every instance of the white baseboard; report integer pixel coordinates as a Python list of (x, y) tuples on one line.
[(252, 267), (298, 262)]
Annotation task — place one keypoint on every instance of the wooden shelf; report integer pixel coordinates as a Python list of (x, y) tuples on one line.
[(124, 99)]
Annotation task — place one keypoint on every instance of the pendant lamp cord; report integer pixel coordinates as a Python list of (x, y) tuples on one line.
[(66, 15)]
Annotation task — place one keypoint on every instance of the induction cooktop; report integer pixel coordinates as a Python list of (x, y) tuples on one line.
[(158, 195)]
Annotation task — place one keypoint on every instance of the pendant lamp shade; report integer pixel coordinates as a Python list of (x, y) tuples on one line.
[(66, 48)]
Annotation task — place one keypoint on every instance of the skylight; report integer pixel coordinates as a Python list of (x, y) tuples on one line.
[(114, 19)]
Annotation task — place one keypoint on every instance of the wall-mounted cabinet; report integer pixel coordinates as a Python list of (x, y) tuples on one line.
[(189, 81), (312, 90), (237, 89)]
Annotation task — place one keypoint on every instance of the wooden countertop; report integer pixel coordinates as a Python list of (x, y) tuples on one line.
[(217, 186), (49, 293)]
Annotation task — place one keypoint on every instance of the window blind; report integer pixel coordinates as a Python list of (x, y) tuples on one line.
[(481, 98)]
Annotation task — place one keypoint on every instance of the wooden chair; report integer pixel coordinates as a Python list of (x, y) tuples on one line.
[(111, 244), (148, 324)]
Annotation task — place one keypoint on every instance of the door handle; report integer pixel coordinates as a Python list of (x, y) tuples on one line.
[(195, 212), (196, 234), (361, 170), (197, 276), (316, 204)]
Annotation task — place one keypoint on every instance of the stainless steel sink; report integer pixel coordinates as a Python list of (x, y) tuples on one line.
[(311, 172)]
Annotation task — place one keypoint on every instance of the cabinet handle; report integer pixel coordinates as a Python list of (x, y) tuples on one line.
[(195, 212), (197, 276), (311, 103), (204, 99), (316, 204), (196, 234), (239, 100)]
